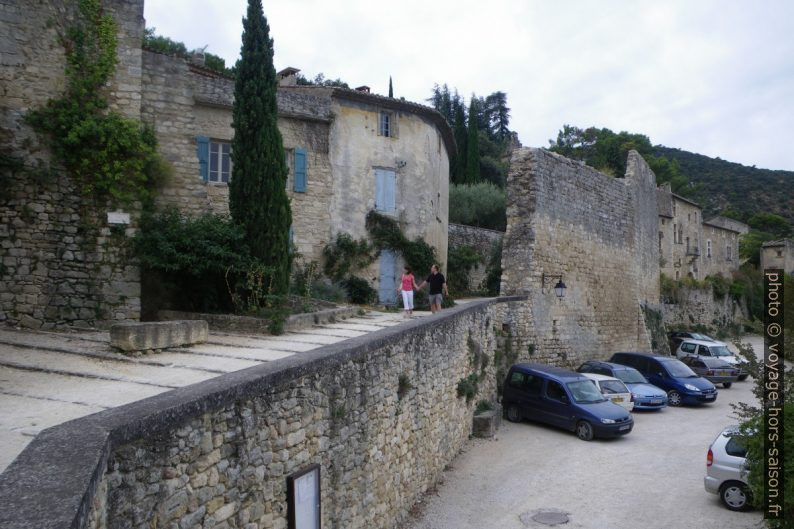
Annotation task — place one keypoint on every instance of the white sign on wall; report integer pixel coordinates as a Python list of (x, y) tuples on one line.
[(118, 217), (303, 498)]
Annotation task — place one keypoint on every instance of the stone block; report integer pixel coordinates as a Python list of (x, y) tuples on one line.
[(486, 423), (158, 335)]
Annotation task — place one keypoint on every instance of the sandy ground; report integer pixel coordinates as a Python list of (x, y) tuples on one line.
[(651, 478)]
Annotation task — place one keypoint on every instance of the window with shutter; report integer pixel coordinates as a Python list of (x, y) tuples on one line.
[(299, 180), (385, 192), (203, 153)]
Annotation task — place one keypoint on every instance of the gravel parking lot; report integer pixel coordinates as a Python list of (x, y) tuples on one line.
[(651, 478)]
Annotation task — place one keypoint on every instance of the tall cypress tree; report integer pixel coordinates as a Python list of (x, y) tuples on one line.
[(391, 90), (459, 161), (257, 195), (472, 173)]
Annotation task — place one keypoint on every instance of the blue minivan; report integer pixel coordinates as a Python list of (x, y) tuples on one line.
[(682, 385), (562, 398)]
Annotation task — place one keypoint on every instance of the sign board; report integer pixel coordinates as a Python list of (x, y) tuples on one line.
[(303, 498), (118, 217)]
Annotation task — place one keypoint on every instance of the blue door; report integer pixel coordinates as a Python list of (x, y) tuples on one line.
[(385, 195), (387, 289)]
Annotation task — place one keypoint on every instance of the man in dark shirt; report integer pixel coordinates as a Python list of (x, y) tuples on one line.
[(437, 285)]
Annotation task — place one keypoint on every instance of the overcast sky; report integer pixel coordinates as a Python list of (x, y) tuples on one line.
[(713, 77)]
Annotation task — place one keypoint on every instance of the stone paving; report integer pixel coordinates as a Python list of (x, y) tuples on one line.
[(47, 378)]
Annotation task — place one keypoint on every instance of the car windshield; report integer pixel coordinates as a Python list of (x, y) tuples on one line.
[(678, 369), (720, 350), (610, 387), (585, 391), (698, 336), (630, 376)]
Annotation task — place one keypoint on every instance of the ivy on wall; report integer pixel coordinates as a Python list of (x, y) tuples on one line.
[(108, 156), (386, 233)]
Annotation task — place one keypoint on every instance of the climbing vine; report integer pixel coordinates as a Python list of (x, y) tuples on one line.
[(386, 233), (110, 157)]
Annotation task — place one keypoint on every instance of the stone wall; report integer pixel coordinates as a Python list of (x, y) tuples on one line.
[(60, 261), (484, 241), (599, 234), (699, 306), (379, 413)]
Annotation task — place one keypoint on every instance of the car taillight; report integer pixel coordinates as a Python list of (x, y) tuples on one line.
[(709, 458)]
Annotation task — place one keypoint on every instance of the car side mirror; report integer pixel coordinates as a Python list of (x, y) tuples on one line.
[(660, 374)]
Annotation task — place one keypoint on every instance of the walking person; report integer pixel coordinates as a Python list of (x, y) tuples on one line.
[(407, 287), (437, 285)]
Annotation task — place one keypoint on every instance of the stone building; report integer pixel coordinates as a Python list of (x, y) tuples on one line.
[(690, 246), (348, 152), (778, 254)]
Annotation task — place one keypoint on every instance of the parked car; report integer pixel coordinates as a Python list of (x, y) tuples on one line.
[(682, 385), (676, 337), (726, 474), (613, 389), (713, 369), (713, 349), (646, 396), (562, 398)]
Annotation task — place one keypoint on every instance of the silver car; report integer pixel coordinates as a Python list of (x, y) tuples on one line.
[(726, 474)]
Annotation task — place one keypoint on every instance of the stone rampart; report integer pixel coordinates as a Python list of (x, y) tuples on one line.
[(379, 413), (61, 262), (595, 232), (484, 241), (699, 306)]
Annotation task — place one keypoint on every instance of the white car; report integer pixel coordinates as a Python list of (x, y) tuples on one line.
[(613, 389), (726, 474), (690, 347)]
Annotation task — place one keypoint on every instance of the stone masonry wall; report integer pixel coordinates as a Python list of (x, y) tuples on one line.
[(567, 220), (60, 262), (700, 307), (483, 240), (217, 454)]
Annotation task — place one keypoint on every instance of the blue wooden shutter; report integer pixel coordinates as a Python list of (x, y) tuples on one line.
[(203, 153), (299, 180), (385, 197)]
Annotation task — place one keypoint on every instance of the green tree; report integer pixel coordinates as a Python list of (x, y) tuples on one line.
[(480, 204), (257, 196), (498, 116), (391, 88), (472, 173), (770, 223), (458, 163)]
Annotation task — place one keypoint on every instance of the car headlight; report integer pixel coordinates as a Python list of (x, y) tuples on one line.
[(608, 421), (690, 387)]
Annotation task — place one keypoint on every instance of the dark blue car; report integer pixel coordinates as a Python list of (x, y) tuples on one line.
[(682, 385), (562, 398), (644, 395)]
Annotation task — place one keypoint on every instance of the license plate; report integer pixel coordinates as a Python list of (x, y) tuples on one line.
[(724, 373), (657, 401), (711, 396), (617, 399), (626, 427)]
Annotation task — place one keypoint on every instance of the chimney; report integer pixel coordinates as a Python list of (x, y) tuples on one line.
[(363, 88), (288, 76)]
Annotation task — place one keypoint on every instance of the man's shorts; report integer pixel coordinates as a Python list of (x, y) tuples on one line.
[(435, 299)]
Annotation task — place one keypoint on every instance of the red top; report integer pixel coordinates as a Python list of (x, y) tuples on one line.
[(408, 282)]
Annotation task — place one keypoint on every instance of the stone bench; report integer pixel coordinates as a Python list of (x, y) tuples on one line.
[(143, 336)]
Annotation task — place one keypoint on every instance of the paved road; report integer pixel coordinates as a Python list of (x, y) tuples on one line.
[(47, 378), (649, 479)]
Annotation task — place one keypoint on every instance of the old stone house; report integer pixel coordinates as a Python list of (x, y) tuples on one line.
[(690, 246), (348, 152), (778, 254)]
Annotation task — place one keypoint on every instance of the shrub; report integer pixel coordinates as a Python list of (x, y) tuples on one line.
[(719, 285), (468, 387), (480, 205), (359, 290), (460, 261), (493, 274)]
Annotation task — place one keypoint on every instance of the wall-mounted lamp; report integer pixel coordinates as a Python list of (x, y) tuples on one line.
[(559, 288)]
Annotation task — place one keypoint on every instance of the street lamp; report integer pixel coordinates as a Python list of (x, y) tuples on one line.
[(559, 288)]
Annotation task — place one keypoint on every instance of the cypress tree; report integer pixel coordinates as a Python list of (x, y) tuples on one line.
[(257, 195), (391, 90), (459, 162), (472, 173)]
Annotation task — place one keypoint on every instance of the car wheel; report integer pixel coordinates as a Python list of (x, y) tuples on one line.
[(673, 398), (513, 413), (584, 431), (743, 377), (726, 385), (735, 496)]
